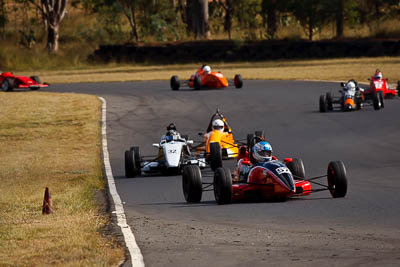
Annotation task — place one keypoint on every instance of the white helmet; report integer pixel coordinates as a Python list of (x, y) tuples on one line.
[(207, 69), (218, 125), (351, 85)]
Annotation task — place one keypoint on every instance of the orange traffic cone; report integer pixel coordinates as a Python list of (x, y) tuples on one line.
[(47, 202)]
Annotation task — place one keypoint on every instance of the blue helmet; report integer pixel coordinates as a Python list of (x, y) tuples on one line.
[(262, 151)]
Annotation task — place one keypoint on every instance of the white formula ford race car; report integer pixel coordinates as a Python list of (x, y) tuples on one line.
[(173, 154)]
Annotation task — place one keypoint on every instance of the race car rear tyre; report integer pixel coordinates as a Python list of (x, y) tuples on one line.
[(375, 101), (238, 81), (215, 156), (191, 183), (322, 104), (197, 82), (7, 85), (137, 160), (223, 186), (129, 167), (381, 99), (260, 135), (337, 179), (175, 83), (296, 167), (250, 140)]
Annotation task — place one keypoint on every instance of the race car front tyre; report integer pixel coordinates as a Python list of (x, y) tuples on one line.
[(197, 82), (376, 101), (381, 99), (215, 156), (7, 85), (322, 104), (329, 101), (398, 88), (137, 161), (296, 167), (175, 83), (238, 81), (192, 184), (337, 179), (129, 167), (223, 186)]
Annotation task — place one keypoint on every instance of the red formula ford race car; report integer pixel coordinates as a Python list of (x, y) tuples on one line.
[(379, 85), (205, 78), (9, 82), (270, 180)]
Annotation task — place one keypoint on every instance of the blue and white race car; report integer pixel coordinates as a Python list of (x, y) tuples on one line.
[(173, 154)]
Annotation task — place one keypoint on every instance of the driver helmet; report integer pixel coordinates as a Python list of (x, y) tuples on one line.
[(378, 75), (351, 85), (207, 69), (171, 126), (171, 129), (262, 151), (218, 125)]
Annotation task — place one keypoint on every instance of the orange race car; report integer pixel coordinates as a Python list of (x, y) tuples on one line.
[(205, 78), (218, 138)]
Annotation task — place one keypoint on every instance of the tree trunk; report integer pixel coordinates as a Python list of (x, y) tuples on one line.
[(271, 23), (53, 12), (339, 19), (52, 38), (228, 16), (310, 27), (132, 22), (201, 27)]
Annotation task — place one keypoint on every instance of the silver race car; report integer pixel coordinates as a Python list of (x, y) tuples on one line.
[(173, 154)]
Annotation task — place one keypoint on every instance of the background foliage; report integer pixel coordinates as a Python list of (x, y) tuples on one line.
[(90, 23)]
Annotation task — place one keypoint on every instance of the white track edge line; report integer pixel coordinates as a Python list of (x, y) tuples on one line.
[(130, 241)]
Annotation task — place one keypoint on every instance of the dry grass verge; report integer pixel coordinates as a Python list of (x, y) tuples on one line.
[(326, 70), (52, 140)]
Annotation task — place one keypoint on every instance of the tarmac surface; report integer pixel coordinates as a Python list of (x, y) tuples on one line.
[(361, 229)]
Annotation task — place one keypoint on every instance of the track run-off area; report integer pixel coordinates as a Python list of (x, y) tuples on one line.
[(361, 229)]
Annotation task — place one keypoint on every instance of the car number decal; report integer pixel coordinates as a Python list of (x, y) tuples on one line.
[(281, 170), (171, 151)]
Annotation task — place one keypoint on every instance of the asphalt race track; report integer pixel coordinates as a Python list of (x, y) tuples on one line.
[(360, 229)]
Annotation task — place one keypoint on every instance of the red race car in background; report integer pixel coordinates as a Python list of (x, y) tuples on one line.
[(205, 78), (9, 82), (271, 180), (379, 84)]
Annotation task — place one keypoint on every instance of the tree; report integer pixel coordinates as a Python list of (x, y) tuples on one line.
[(53, 12), (246, 12), (339, 18), (129, 10), (199, 16), (270, 10), (3, 18), (310, 14), (228, 7)]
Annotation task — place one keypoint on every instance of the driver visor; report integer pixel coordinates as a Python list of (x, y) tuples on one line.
[(265, 153)]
